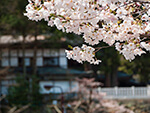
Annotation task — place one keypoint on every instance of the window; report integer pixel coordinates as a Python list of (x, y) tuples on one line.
[(27, 61), (50, 61)]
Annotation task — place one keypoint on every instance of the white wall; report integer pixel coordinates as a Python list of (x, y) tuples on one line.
[(62, 59), (5, 53), (29, 53), (50, 53), (65, 85), (63, 62), (5, 62), (13, 53), (39, 61), (62, 52), (14, 61), (5, 85), (39, 52)]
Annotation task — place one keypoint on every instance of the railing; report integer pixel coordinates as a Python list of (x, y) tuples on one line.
[(111, 93), (126, 92)]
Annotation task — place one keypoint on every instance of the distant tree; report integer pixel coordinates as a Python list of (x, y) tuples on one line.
[(143, 68), (25, 93), (91, 101), (127, 66), (123, 23), (13, 22), (109, 66), (139, 66)]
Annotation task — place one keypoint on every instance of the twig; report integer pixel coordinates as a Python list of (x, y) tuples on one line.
[(85, 19), (125, 4), (99, 48), (12, 110), (22, 109), (142, 1), (145, 35), (2, 97), (142, 12), (57, 109), (4, 71), (78, 104)]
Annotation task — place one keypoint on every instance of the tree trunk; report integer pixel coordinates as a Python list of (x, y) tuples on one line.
[(114, 78), (0, 95), (35, 56), (87, 67), (35, 50), (90, 101), (23, 56), (107, 80)]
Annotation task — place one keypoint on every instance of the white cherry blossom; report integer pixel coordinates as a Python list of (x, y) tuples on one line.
[(111, 21), (85, 53)]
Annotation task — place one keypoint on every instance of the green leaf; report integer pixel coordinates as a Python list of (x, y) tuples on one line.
[(69, 46)]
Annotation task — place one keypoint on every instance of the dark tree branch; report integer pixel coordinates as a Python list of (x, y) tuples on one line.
[(22, 109), (2, 97), (145, 36), (142, 1)]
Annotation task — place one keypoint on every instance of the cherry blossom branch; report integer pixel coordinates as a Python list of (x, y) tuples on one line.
[(127, 22), (142, 1), (77, 105), (141, 13), (145, 35), (84, 19), (99, 48), (125, 4)]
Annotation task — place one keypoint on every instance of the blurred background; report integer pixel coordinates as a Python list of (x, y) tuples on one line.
[(36, 76)]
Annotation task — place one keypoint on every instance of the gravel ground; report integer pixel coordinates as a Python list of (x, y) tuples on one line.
[(137, 105)]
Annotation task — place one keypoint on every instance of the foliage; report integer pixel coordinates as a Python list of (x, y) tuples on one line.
[(139, 66), (142, 68), (14, 22), (127, 66), (25, 92), (91, 101), (110, 59)]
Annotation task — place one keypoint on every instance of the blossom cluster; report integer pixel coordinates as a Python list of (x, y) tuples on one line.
[(115, 22), (85, 53), (90, 95)]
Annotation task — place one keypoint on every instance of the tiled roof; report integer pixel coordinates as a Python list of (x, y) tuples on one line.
[(5, 39), (52, 71), (119, 75), (58, 71)]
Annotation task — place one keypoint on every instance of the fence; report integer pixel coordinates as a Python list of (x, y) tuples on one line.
[(111, 93), (126, 92)]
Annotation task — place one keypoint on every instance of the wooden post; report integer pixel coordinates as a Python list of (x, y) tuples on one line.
[(116, 90), (34, 63), (99, 89), (133, 90), (23, 56), (9, 57), (148, 90)]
